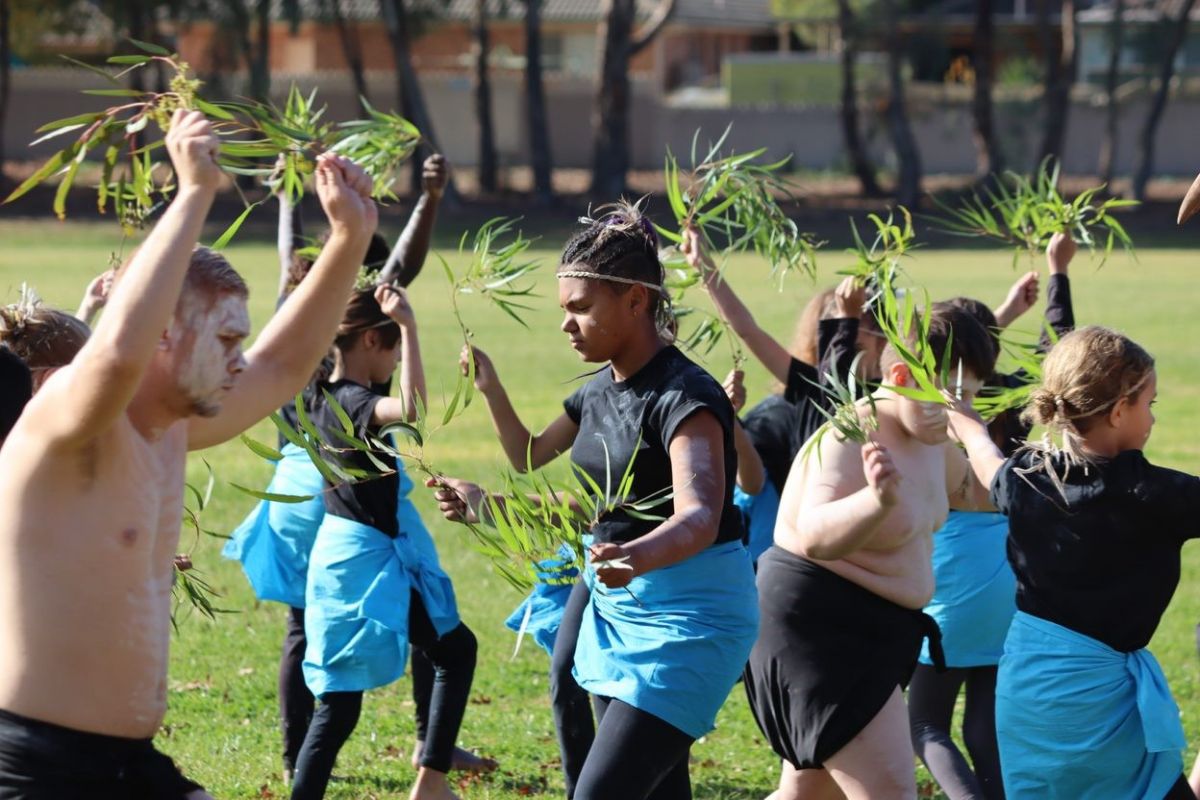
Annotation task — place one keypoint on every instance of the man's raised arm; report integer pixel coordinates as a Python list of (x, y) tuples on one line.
[(284, 356), (87, 396)]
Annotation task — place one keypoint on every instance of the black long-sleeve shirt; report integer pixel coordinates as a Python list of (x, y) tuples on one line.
[(779, 426), (1007, 429)]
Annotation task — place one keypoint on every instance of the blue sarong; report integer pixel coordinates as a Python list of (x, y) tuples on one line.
[(275, 539), (359, 587), (677, 654), (1076, 718), (975, 592), (759, 512), (547, 602)]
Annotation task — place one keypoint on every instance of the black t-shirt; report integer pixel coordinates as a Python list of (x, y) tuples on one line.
[(372, 502), (312, 392), (1104, 561), (773, 426), (649, 406)]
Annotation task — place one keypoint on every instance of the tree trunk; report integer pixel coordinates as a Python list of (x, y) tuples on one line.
[(535, 98), (5, 76), (610, 120), (135, 23), (989, 159), (259, 61), (1060, 76), (908, 158), (1108, 147), (1145, 162), (351, 51), (412, 102), (483, 101), (856, 150)]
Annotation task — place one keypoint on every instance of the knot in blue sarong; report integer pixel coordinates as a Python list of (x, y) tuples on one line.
[(359, 589), (1076, 718), (678, 648), (274, 541)]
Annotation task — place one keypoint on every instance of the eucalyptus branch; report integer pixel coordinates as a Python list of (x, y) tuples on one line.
[(850, 414), (734, 197), (525, 526), (279, 146), (498, 269), (1023, 359), (1026, 212), (190, 591)]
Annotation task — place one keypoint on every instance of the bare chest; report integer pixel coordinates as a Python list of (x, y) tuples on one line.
[(116, 504), (923, 505)]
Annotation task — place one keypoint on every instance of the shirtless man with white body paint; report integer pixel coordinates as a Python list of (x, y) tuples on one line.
[(92, 486), (841, 591)]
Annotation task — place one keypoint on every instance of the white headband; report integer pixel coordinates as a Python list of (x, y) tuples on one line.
[(577, 273)]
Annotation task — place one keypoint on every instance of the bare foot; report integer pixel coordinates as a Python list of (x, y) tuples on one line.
[(463, 760), (431, 785)]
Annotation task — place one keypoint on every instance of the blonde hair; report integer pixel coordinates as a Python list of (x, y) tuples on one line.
[(1084, 376), (43, 337)]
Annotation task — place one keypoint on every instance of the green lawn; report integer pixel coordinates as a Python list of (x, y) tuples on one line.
[(222, 725)]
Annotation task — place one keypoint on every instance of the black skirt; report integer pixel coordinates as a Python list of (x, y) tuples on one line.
[(829, 655)]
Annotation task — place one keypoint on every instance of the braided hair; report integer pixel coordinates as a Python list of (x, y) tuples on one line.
[(621, 244)]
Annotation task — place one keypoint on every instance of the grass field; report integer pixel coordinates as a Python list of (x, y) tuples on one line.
[(222, 725)]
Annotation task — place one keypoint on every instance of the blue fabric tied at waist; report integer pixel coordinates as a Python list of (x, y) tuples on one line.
[(274, 541), (1076, 718), (759, 512), (974, 598), (359, 587), (677, 650), (548, 600)]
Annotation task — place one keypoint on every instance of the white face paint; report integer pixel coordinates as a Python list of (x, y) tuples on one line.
[(209, 356)]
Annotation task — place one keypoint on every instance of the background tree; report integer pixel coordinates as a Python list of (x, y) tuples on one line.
[(1060, 76), (351, 48), (535, 106), (249, 28), (610, 118), (5, 76), (1174, 37), (989, 158), (1116, 40), (412, 102), (908, 157), (856, 151), (483, 99)]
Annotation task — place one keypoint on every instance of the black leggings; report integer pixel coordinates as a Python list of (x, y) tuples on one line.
[(296, 702), (931, 699), (453, 658), (636, 756), (572, 714), (1180, 791)]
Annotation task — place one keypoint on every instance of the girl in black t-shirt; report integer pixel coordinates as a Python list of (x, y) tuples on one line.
[(660, 665), (374, 583), (1095, 532)]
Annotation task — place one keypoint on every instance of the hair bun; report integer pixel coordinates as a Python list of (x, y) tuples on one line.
[(1044, 407)]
